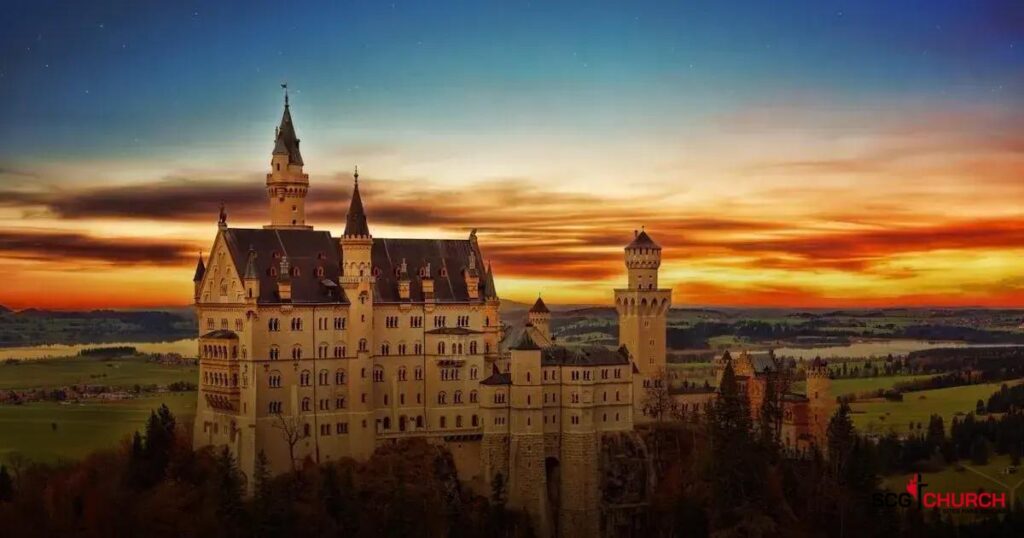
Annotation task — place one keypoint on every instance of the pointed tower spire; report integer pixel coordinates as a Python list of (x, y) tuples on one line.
[(287, 185), (200, 269), (355, 221)]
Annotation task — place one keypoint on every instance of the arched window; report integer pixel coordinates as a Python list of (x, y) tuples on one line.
[(307, 404), (363, 345), (378, 374), (442, 397), (385, 349), (457, 397), (297, 352), (458, 421), (322, 351), (472, 348), (339, 376), (275, 353), (274, 380), (304, 378), (473, 398), (418, 373), (324, 377), (473, 373), (339, 352), (444, 422), (475, 421), (440, 348), (402, 373)]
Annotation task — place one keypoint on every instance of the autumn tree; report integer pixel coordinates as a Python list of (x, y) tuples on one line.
[(658, 403), (291, 433)]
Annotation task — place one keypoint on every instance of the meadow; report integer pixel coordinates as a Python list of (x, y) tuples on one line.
[(965, 477), (51, 431), (121, 372), (881, 417)]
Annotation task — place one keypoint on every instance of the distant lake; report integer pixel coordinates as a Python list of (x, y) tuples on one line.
[(186, 347), (870, 348)]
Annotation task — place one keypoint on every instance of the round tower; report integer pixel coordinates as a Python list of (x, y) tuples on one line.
[(643, 258), (540, 317), (819, 393), (286, 183)]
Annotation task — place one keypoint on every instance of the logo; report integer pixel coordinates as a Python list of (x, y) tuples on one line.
[(953, 500)]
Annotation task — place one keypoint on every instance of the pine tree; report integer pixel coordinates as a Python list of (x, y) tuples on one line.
[(229, 487), (736, 469), (6, 485)]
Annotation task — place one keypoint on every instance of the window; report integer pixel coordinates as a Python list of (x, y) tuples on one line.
[(275, 407), (401, 349), (416, 322), (444, 422), (499, 397), (402, 373), (341, 427), (378, 374), (297, 352), (274, 380), (473, 373), (473, 398), (304, 378), (324, 377), (307, 404), (439, 322), (339, 324), (238, 324), (440, 348), (575, 419), (417, 349), (321, 352), (275, 353), (210, 324), (339, 402), (472, 348), (457, 397), (339, 352), (324, 404), (385, 349), (475, 421), (418, 373), (296, 324), (273, 324), (458, 421), (463, 321), (364, 345), (442, 397), (321, 324)]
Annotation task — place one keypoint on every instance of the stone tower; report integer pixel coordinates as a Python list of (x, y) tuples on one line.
[(822, 404), (643, 308), (357, 281), (540, 317), (528, 481), (286, 183)]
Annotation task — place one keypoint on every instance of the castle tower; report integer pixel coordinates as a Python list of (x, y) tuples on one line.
[(286, 183), (357, 281), (822, 404), (642, 309), (528, 480), (540, 317)]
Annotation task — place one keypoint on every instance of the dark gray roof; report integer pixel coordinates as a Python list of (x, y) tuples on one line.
[(526, 343), (221, 333), (498, 378), (583, 356), (453, 330), (309, 249), (539, 307), (642, 240), (200, 270), (355, 220), (287, 143), (763, 364), (306, 250), (490, 292), (791, 397)]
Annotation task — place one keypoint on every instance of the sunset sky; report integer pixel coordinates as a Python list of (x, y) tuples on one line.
[(805, 154)]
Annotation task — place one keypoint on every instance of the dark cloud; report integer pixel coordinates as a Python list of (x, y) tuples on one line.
[(60, 247)]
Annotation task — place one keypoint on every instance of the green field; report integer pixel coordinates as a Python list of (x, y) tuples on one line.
[(881, 417), (122, 372), (865, 384), (81, 428), (968, 477)]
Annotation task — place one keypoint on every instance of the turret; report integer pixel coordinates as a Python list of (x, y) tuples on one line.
[(197, 279), (540, 317), (427, 283), (251, 279), (286, 183), (822, 403), (643, 258)]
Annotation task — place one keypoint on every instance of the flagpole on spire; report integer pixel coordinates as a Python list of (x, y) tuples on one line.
[(284, 86)]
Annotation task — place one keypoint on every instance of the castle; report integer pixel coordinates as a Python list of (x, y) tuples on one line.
[(314, 348)]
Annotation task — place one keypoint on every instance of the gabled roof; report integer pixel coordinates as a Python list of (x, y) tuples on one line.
[(642, 240), (498, 378), (539, 307), (490, 292), (583, 356), (287, 143)]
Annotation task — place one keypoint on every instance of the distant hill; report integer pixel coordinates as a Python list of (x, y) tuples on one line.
[(35, 326), (4, 309)]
